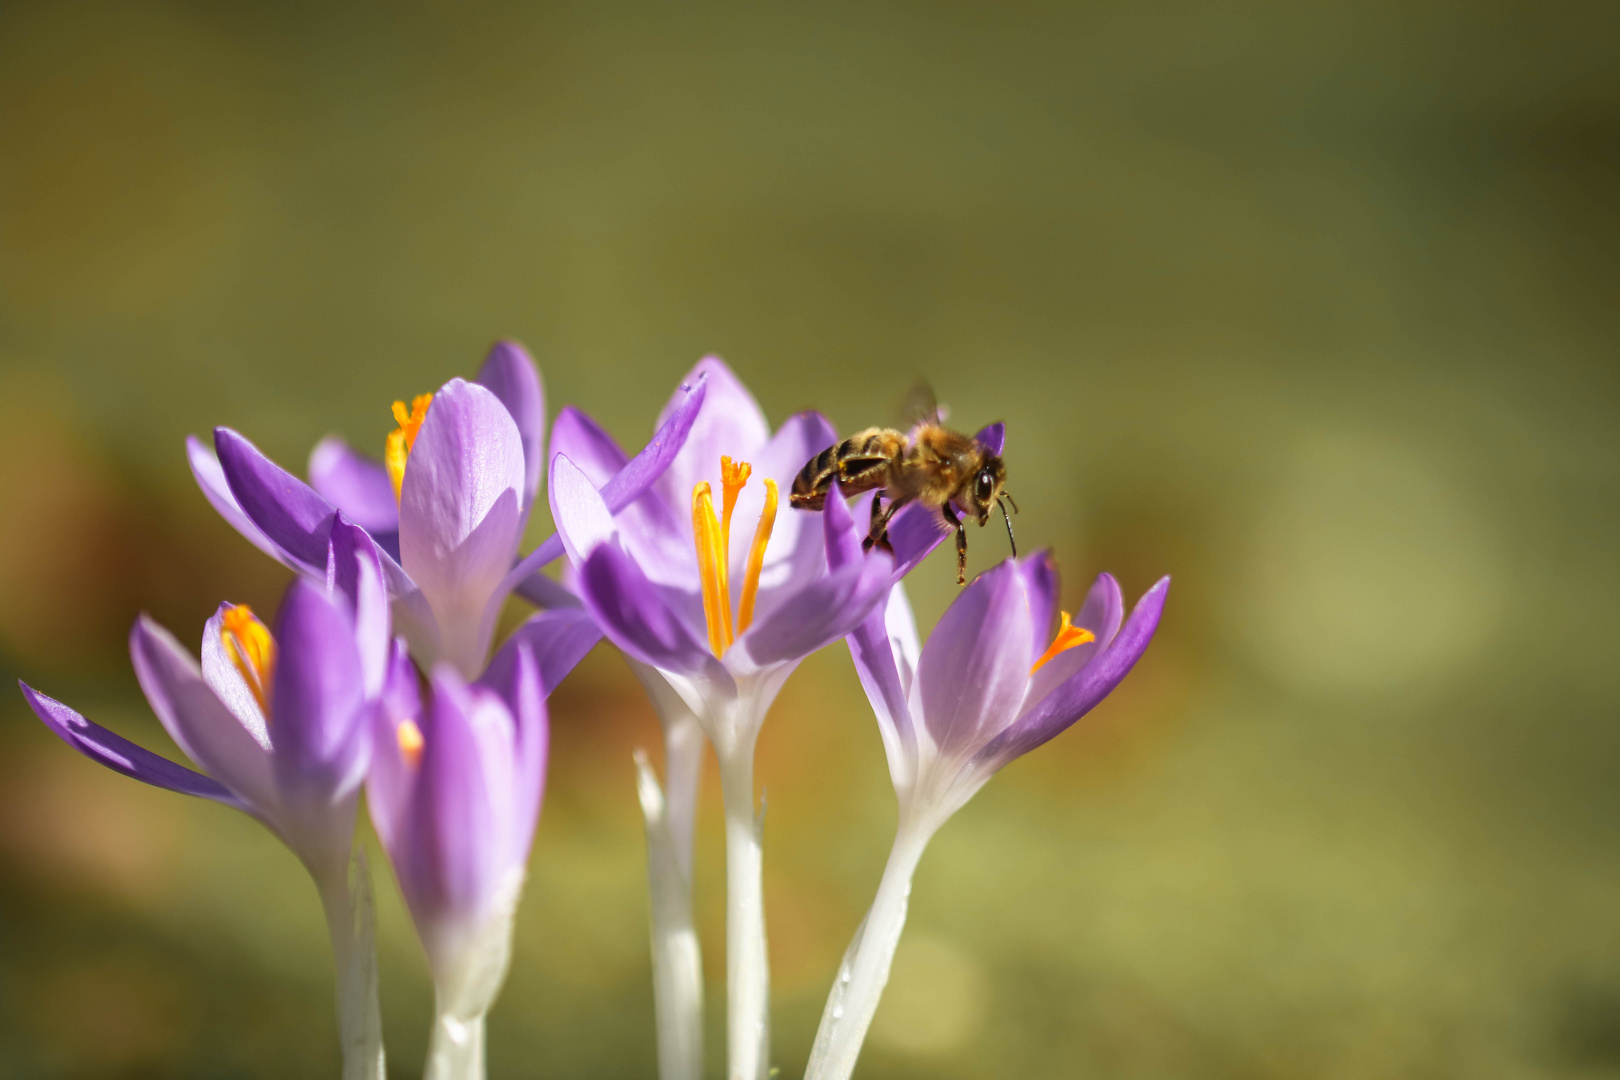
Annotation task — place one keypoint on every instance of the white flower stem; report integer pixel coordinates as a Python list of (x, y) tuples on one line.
[(747, 968), (865, 968), (677, 962), (456, 1051), (349, 921)]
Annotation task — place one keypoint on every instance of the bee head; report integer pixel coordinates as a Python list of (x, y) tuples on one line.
[(986, 488)]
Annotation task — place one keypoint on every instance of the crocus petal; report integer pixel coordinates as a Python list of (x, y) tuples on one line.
[(795, 549), (840, 538), (635, 479), (290, 513), (1081, 693), (459, 514), (355, 484), (211, 478), (730, 423), (225, 679), (582, 516), (354, 571), (557, 639), (120, 755), (975, 668), (196, 719), (1101, 614), (873, 648), (640, 617), (509, 372), (521, 686), (316, 713), (648, 527), (914, 532), (390, 779), (1042, 585), (993, 437), (819, 612)]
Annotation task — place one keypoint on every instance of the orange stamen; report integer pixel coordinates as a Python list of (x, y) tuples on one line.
[(732, 479), (1068, 636), (252, 651), (756, 558), (712, 568), (403, 438), (410, 742)]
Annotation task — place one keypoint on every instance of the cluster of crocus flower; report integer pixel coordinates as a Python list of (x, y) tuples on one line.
[(380, 673)]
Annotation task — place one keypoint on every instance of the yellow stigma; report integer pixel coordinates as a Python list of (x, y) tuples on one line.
[(1068, 636), (403, 438), (712, 536), (410, 742), (252, 651)]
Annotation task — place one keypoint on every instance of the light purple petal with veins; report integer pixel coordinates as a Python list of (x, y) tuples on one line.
[(1101, 614), (885, 660), (729, 423), (582, 516), (357, 485), (120, 755), (319, 692), (511, 375), (975, 667), (557, 639), (225, 679), (818, 613), (639, 617), (354, 570), (1042, 585)]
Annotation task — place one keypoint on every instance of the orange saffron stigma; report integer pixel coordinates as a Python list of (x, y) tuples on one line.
[(712, 535), (1068, 636), (252, 651), (403, 438), (410, 742)]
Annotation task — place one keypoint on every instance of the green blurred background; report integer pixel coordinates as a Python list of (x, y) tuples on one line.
[(1311, 305)]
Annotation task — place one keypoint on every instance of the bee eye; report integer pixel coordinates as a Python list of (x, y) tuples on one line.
[(984, 486)]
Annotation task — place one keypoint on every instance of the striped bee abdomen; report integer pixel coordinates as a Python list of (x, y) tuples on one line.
[(859, 463)]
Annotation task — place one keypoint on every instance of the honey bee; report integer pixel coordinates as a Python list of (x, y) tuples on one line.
[(929, 464)]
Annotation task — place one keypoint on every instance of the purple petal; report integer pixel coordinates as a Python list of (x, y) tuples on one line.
[(459, 514), (223, 677), (354, 571), (839, 535), (390, 780), (730, 423), (120, 755), (1080, 694), (197, 720), (974, 670), (993, 437), (522, 687), (795, 551), (647, 526), (1043, 586), (885, 673), (211, 478), (557, 639), (355, 484), (914, 532), (639, 617), (316, 707), (820, 612), (511, 375), (1101, 614), (583, 519), (634, 480), (544, 592), (587, 445), (290, 513)]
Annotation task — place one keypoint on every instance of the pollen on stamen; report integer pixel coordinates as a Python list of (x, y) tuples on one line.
[(756, 558), (252, 651), (403, 438), (733, 478), (1067, 637), (712, 573), (410, 741)]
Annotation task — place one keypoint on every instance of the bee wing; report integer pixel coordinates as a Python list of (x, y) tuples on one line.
[(921, 407)]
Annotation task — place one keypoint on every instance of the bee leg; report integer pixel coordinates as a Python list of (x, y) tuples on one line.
[(879, 526), (961, 541)]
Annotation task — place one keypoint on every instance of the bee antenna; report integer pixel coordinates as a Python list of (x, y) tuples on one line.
[(1013, 543), (1010, 499)]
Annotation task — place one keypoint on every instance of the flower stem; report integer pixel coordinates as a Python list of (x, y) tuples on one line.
[(677, 962), (349, 921), (865, 968), (747, 968), (456, 1051)]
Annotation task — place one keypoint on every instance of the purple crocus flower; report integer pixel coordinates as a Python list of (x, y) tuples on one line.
[(986, 689), (660, 579), (280, 724), (454, 793), (446, 508)]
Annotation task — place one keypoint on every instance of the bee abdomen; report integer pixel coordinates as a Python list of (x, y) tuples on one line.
[(859, 463)]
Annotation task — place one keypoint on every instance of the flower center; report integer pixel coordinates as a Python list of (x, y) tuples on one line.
[(403, 438), (252, 651), (410, 742), (1068, 636), (712, 536)]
